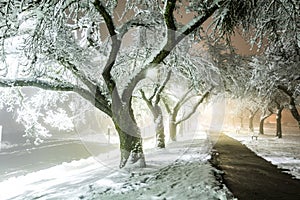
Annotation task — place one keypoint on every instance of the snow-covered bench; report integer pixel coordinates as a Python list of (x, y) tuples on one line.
[(238, 130), (254, 134)]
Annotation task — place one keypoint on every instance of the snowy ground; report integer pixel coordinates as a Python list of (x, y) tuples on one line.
[(181, 171), (283, 152)]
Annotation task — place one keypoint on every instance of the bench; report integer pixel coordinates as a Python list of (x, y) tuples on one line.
[(254, 135), (238, 130)]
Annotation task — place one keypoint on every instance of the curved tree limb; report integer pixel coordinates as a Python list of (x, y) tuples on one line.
[(116, 44), (71, 67), (204, 96), (167, 106), (170, 22), (162, 87), (292, 105), (46, 85), (148, 102), (167, 48)]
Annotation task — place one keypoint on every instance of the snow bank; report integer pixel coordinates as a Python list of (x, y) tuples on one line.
[(181, 171)]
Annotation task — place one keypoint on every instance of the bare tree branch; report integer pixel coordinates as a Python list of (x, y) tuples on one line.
[(198, 21), (154, 92), (184, 98), (167, 48), (170, 23), (116, 44), (169, 15), (205, 95), (66, 87), (162, 87), (71, 67), (36, 83), (166, 105), (130, 24), (292, 105), (285, 90), (148, 102)]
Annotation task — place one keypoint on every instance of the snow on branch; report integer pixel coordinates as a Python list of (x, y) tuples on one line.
[(196, 22), (95, 99), (132, 23), (36, 83), (116, 44), (168, 46), (77, 73)]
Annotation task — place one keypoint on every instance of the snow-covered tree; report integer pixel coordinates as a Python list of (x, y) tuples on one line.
[(191, 83), (179, 105), (278, 71), (281, 102), (153, 104), (79, 46), (266, 112)]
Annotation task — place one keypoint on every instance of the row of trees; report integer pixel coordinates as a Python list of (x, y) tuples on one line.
[(269, 89), (104, 51), (267, 83)]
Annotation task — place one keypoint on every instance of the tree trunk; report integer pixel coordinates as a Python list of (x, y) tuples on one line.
[(262, 120), (251, 117), (292, 105), (130, 145), (173, 123), (158, 120), (241, 122), (278, 122), (261, 126), (251, 128), (129, 132), (159, 127), (173, 129), (294, 110)]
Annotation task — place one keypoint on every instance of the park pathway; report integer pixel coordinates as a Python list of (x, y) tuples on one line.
[(250, 177)]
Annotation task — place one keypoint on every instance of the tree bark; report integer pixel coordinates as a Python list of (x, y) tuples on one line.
[(128, 130), (294, 111), (251, 117), (261, 122), (153, 105), (241, 122), (158, 121), (130, 146), (278, 122), (261, 126), (251, 127), (173, 123), (292, 105), (173, 129), (159, 127)]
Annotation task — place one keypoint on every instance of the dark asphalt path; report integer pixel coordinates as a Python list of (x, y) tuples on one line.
[(251, 177)]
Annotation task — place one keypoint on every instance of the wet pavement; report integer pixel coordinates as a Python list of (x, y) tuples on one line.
[(249, 176)]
